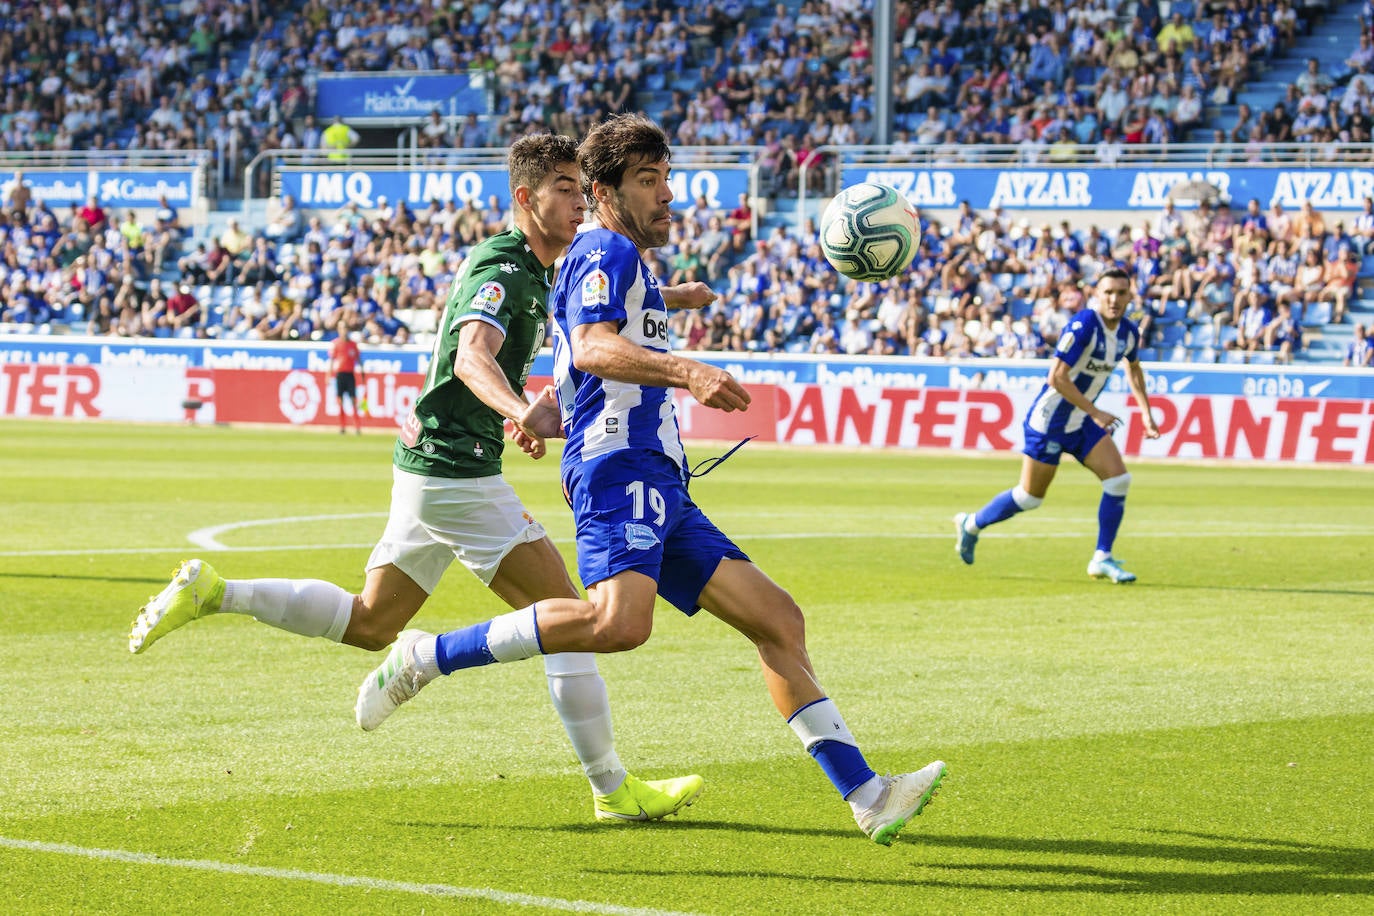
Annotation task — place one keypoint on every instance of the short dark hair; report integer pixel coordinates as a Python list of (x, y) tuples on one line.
[(1114, 273), (532, 159), (613, 145)]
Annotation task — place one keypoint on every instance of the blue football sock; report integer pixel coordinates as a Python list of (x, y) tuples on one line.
[(843, 763), (1001, 508), (1109, 514), (465, 648)]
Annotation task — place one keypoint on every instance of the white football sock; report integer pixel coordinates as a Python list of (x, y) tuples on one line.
[(514, 636), (309, 607), (426, 652), (821, 721), (579, 696)]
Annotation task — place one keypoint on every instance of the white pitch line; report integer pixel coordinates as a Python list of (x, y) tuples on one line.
[(374, 884), (207, 538), (745, 538)]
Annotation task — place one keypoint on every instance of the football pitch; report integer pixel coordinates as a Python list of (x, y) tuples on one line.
[(1201, 741)]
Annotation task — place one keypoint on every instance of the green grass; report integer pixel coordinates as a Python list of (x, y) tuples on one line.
[(1197, 742)]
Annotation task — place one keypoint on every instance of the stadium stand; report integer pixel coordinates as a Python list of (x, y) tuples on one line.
[(1058, 82)]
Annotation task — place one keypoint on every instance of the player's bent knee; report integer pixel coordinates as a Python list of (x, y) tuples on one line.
[(1117, 486), (781, 625), (1024, 500), (621, 636)]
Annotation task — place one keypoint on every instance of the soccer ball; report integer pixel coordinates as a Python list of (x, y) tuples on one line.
[(869, 233)]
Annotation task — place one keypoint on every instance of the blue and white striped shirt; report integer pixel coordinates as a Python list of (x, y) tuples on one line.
[(1092, 353), (604, 279)]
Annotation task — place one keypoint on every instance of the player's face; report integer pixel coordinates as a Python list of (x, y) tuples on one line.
[(559, 205), (639, 208), (1113, 298)]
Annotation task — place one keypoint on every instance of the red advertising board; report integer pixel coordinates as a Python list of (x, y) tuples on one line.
[(1301, 429)]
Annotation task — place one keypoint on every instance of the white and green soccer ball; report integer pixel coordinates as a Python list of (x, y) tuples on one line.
[(869, 233)]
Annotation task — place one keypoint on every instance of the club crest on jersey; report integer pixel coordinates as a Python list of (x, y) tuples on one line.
[(489, 297), (596, 288), (639, 537)]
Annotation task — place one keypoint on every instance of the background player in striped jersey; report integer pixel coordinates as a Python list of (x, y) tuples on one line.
[(1065, 420), (449, 500), (639, 534)]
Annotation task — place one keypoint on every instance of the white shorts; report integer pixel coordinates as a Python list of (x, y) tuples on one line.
[(435, 519)]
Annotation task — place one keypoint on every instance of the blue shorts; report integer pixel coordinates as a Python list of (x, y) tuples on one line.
[(632, 512), (1047, 447)]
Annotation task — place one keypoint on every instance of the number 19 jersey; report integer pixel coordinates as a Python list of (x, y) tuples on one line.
[(603, 279)]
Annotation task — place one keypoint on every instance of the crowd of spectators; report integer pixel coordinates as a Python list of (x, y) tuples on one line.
[(1056, 79), (981, 284), (984, 285)]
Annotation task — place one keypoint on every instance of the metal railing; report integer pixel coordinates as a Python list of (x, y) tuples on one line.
[(1128, 155), (26, 160)]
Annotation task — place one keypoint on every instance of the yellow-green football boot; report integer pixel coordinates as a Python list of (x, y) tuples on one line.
[(648, 799), (195, 590)]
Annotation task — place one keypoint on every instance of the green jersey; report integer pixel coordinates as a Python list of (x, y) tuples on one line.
[(450, 432)]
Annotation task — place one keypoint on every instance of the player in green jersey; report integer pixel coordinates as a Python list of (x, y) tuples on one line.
[(448, 497)]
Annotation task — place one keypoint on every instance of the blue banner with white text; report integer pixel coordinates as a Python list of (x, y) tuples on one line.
[(325, 188), (1042, 188), (111, 187), (398, 96)]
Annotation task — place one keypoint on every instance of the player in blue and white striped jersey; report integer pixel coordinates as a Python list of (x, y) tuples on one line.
[(639, 534), (1065, 420)]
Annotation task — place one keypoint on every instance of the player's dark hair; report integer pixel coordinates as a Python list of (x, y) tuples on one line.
[(533, 159), (1114, 273), (614, 145)]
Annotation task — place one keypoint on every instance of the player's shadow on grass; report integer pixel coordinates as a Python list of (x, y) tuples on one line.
[(1236, 865)]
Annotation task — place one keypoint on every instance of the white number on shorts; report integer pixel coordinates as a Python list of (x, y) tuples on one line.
[(635, 490)]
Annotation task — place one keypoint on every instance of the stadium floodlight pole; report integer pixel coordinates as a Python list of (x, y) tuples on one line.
[(884, 20)]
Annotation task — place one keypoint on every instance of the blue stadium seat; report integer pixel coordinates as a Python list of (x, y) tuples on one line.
[(1202, 334), (1021, 308), (1171, 335), (1316, 314), (1173, 312)]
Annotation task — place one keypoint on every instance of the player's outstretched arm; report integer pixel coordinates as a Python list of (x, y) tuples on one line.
[(1135, 377), (694, 295), (599, 349)]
